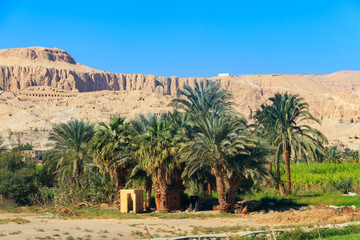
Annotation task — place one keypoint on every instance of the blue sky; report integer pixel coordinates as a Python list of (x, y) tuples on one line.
[(191, 38)]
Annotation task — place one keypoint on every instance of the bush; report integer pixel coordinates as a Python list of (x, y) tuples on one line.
[(16, 178), (345, 185), (17, 185)]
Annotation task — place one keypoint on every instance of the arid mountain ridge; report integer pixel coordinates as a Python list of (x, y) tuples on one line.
[(44, 86)]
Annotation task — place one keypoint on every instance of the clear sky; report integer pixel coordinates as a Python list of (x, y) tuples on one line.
[(191, 38)]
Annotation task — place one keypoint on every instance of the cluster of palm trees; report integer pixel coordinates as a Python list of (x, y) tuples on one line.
[(204, 140)]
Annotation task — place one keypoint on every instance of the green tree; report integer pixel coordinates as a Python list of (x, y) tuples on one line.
[(285, 121), (354, 155), (224, 143), (110, 146), (202, 99), (139, 126), (333, 155), (221, 141), (17, 177), (70, 154), (157, 155)]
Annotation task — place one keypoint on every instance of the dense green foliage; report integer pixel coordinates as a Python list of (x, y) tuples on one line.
[(17, 177)]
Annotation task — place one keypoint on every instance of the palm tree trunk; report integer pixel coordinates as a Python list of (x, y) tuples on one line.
[(207, 189), (287, 169), (269, 170), (231, 199), (148, 186), (278, 181), (221, 189), (164, 197), (157, 194)]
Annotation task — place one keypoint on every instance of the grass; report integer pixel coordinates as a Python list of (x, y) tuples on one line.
[(329, 200), (216, 230), (304, 200), (321, 233), (15, 232), (14, 220), (96, 213), (137, 233), (345, 237)]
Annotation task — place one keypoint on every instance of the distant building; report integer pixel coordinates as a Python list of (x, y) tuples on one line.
[(224, 75), (32, 153)]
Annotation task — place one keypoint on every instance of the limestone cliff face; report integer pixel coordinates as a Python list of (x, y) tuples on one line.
[(27, 67), (13, 78)]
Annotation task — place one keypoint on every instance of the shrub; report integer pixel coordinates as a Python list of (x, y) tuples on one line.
[(345, 185), (17, 185), (16, 177)]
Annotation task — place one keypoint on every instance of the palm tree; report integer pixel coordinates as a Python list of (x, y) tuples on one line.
[(285, 121), (332, 154), (355, 156), (223, 143), (139, 126), (201, 99), (157, 155), (110, 146), (221, 140), (70, 150)]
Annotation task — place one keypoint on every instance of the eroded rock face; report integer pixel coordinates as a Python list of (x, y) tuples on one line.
[(26, 67), (46, 86), (34, 53)]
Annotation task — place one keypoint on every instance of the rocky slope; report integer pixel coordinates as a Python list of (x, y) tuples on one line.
[(44, 86)]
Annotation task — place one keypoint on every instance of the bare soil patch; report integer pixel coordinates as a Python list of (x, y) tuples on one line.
[(318, 215)]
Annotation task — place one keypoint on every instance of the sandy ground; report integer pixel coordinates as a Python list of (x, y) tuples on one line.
[(42, 226)]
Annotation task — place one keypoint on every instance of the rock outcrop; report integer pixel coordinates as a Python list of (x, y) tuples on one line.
[(44, 86)]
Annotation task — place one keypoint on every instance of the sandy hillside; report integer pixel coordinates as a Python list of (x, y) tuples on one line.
[(42, 86)]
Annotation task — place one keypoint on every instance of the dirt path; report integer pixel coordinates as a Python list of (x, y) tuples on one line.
[(42, 226)]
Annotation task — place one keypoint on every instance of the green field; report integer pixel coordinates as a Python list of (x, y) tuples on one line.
[(346, 237), (322, 177)]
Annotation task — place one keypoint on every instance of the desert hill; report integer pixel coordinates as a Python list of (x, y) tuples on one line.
[(42, 86)]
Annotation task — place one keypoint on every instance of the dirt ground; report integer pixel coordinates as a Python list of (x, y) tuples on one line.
[(42, 226)]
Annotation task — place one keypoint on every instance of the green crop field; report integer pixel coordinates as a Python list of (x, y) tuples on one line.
[(322, 177)]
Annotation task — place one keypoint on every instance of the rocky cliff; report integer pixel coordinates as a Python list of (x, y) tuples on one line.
[(44, 86)]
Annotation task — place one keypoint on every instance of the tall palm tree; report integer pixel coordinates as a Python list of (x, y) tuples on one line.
[(286, 122), (157, 155), (221, 140), (224, 143), (201, 99), (139, 126), (70, 151), (110, 146)]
